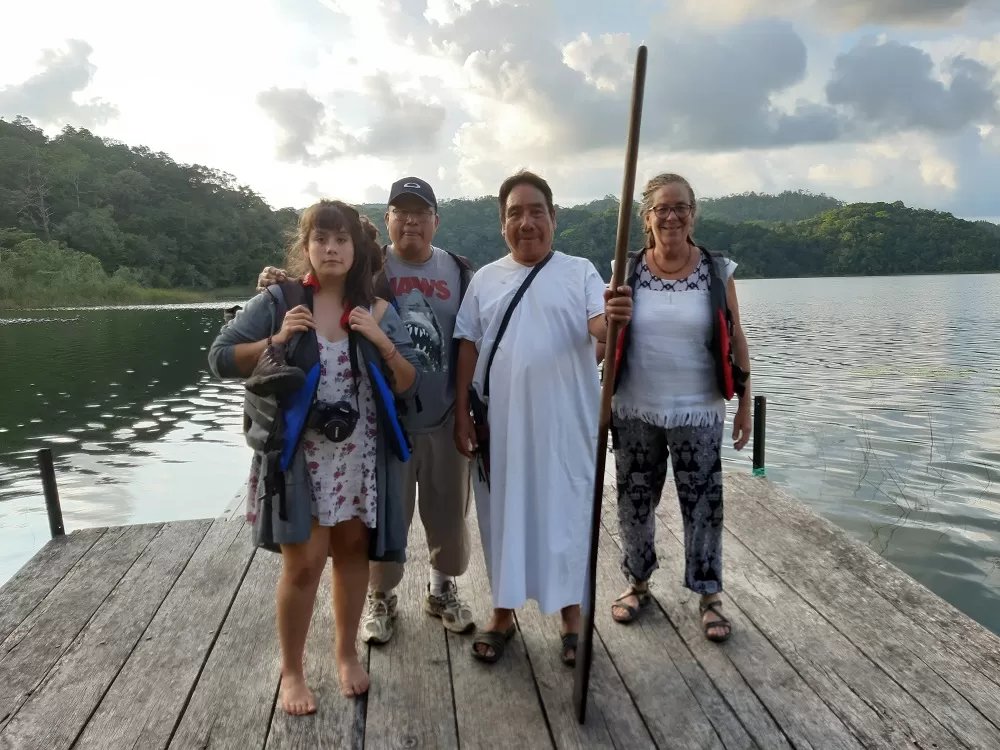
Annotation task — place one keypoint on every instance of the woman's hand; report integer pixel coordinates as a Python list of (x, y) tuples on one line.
[(742, 424), (271, 275), (296, 320), (361, 321), (618, 305)]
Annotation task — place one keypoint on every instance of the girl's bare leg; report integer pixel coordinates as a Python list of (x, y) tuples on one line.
[(349, 547), (301, 568)]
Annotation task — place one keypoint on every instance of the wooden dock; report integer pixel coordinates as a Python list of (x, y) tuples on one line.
[(163, 636)]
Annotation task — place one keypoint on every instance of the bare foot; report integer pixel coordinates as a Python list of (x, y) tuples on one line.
[(354, 679), (296, 697)]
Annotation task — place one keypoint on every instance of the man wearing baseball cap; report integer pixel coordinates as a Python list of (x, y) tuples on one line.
[(426, 284)]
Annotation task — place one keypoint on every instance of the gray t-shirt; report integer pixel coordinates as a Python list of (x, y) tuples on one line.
[(428, 296)]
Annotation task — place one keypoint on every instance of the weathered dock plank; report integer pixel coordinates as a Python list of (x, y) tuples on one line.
[(164, 635), (951, 629), (856, 690), (805, 719), (642, 657), (42, 573), (612, 719), (736, 713), (410, 704), (338, 721), (77, 682), (961, 698), (34, 646), (496, 705), (145, 702), (233, 700)]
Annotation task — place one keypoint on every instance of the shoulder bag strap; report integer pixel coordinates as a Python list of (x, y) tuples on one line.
[(506, 317)]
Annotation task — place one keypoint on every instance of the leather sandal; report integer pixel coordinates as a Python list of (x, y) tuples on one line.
[(722, 622), (569, 643), (632, 613), (494, 639)]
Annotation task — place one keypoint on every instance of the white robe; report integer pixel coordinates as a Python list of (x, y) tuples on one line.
[(534, 519)]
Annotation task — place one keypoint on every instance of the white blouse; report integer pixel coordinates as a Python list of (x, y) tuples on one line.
[(669, 379)]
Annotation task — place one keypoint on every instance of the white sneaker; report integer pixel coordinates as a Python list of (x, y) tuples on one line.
[(455, 614), (379, 620)]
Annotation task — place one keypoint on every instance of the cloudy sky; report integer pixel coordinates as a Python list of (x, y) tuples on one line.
[(860, 99)]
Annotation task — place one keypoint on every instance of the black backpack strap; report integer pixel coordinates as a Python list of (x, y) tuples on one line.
[(465, 271), (632, 268), (506, 317), (292, 294), (383, 289)]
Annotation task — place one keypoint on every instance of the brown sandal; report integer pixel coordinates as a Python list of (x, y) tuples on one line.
[(722, 622), (570, 642), (632, 613), (494, 639)]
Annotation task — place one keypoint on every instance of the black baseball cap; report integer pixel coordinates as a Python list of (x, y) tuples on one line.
[(413, 186)]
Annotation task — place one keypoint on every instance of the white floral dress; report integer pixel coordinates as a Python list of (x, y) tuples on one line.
[(343, 474)]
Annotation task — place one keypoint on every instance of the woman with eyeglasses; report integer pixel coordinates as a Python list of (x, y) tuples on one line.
[(682, 356)]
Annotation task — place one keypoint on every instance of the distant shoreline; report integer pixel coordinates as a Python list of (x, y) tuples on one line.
[(152, 297), (137, 296)]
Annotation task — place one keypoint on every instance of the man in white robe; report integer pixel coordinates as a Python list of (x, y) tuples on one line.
[(544, 397)]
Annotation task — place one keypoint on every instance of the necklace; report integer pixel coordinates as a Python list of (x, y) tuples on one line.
[(661, 271)]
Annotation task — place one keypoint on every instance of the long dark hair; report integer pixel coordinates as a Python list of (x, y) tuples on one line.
[(336, 216)]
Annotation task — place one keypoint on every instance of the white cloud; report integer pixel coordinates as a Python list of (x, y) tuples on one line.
[(606, 63), (51, 96), (301, 98), (842, 14)]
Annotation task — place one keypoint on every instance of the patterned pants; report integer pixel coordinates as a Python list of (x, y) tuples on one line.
[(641, 455)]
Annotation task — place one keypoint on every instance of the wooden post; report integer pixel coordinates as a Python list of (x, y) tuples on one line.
[(759, 435), (52, 506), (585, 645)]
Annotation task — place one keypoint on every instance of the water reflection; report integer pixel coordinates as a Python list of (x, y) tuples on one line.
[(883, 405), (883, 415), (139, 429)]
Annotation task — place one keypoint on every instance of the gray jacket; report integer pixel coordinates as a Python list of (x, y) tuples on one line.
[(388, 539)]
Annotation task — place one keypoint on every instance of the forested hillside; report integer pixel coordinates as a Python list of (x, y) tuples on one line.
[(90, 220), (138, 218), (791, 205)]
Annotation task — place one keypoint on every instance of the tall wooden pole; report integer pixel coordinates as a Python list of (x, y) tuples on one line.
[(585, 648)]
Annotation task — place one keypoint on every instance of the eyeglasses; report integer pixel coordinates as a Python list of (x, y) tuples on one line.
[(420, 214), (681, 210)]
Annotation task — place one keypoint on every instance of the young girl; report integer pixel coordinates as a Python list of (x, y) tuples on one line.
[(333, 489)]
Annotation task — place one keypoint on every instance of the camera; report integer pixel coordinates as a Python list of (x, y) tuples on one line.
[(336, 421)]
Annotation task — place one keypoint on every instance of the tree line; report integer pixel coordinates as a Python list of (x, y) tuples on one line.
[(89, 219)]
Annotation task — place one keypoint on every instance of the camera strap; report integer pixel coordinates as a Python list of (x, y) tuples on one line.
[(506, 318)]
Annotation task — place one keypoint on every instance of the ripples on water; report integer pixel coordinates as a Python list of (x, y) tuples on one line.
[(883, 405), (140, 430), (883, 415)]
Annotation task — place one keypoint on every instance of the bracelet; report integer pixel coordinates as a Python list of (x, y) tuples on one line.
[(391, 354)]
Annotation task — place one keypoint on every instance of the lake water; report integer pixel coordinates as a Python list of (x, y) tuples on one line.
[(883, 415)]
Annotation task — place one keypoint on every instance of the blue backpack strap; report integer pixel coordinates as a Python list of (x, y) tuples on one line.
[(296, 406), (399, 441)]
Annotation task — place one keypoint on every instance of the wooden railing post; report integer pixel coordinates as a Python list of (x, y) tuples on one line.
[(52, 505), (759, 435)]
